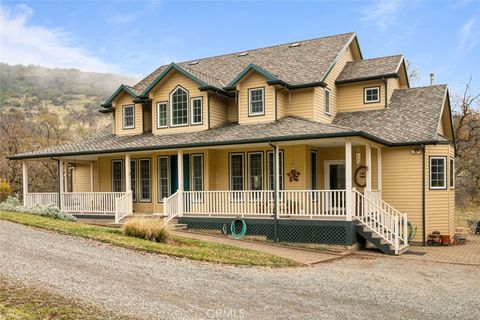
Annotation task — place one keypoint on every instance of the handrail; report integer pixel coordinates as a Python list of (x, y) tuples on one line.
[(170, 207), (387, 225), (41, 199), (123, 206)]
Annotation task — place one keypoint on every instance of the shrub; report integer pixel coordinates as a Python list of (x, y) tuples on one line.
[(13, 204), (149, 229), (5, 190)]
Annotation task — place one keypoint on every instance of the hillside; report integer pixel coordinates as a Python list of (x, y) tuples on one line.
[(31, 87)]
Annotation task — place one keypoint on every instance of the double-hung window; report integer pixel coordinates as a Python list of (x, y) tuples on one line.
[(163, 178), (133, 178), (196, 110), (236, 174), (197, 175), (162, 119), (144, 178), (438, 173), (371, 95), (452, 173), (271, 170), (255, 172), (117, 176), (179, 107), (256, 102), (128, 117), (327, 101)]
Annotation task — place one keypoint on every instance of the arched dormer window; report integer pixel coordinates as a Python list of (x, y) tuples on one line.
[(179, 107)]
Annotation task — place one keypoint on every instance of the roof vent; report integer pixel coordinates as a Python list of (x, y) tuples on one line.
[(243, 54), (293, 45), (193, 63)]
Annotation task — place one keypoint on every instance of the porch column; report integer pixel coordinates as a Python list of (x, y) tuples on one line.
[(277, 181), (348, 180), (128, 179), (91, 176), (60, 183), (180, 182), (25, 182), (379, 169), (368, 160)]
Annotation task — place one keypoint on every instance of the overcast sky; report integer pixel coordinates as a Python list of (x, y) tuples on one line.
[(135, 37)]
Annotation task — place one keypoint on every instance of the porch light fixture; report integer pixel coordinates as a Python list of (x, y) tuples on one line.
[(358, 156)]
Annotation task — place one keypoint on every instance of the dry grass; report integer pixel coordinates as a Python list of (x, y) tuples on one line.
[(148, 229), (464, 215)]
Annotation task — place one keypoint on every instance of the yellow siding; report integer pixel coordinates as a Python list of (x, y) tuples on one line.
[(255, 80), (218, 111), (300, 103), (81, 178), (402, 184), (392, 84), (282, 101), (439, 204), (161, 93), (147, 123), (319, 93), (125, 99), (232, 110), (351, 96)]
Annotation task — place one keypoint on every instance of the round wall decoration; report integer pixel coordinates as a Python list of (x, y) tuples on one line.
[(361, 176)]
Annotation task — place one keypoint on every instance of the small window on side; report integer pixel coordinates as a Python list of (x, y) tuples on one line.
[(438, 173), (452, 173), (197, 110), (327, 101), (371, 95), (162, 121), (129, 117)]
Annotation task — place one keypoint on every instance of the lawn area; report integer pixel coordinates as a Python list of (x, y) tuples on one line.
[(178, 246), (22, 302)]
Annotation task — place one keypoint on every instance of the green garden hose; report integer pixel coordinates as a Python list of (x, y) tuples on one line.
[(236, 235), (411, 231)]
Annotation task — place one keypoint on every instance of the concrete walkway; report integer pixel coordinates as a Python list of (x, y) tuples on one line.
[(306, 257)]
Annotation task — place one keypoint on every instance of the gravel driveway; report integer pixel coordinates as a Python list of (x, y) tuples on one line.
[(159, 287)]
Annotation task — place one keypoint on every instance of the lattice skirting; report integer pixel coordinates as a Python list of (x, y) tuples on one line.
[(295, 231)]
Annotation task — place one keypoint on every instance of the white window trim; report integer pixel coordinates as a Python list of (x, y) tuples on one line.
[(192, 110), (250, 114), (171, 107), (326, 171), (123, 116), (444, 187), (329, 111), (230, 178), (249, 170), (159, 191), (139, 191), (365, 94), (158, 114), (452, 175), (314, 174), (282, 178), (121, 174), (134, 185)]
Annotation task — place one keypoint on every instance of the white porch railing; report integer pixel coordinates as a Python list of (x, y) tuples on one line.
[(41, 199), (90, 202), (239, 203), (301, 203), (384, 220), (170, 207), (312, 203), (123, 206)]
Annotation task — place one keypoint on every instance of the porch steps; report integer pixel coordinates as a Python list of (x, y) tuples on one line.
[(380, 243)]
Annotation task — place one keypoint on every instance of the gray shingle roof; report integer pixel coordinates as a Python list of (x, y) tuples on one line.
[(370, 68), (303, 64), (412, 116), (228, 134)]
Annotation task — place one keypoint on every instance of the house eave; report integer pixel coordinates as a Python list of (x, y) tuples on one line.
[(377, 77)]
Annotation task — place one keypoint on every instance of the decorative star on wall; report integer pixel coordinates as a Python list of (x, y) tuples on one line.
[(293, 175)]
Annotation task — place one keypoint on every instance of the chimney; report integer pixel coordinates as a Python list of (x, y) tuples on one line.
[(432, 79)]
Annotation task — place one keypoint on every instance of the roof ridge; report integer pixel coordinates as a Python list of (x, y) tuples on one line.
[(423, 87), (376, 58), (268, 47)]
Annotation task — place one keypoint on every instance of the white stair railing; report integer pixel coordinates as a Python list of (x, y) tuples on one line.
[(123, 206), (388, 224), (171, 207), (91, 202)]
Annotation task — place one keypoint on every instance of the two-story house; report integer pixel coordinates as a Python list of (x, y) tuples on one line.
[(307, 141)]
